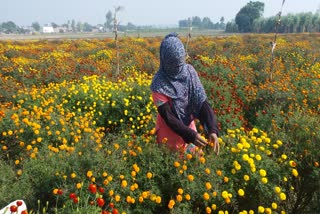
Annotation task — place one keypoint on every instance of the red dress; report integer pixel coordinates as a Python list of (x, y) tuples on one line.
[(163, 131)]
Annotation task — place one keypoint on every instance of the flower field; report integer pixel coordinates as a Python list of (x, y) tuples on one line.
[(76, 139)]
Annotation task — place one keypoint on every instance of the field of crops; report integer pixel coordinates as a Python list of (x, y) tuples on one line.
[(76, 139)]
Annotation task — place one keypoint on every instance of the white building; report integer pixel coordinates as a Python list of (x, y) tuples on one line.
[(47, 29)]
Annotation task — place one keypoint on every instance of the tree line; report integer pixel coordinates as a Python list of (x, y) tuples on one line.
[(249, 20)]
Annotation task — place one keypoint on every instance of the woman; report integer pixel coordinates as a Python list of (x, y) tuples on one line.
[(180, 99)]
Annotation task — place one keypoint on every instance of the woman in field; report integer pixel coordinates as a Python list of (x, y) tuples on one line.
[(180, 99)]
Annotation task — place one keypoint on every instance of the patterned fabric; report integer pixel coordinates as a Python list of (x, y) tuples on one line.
[(178, 80)]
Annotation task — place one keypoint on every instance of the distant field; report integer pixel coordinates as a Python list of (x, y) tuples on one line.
[(144, 33)]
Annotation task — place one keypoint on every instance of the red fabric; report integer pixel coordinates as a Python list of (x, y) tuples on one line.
[(163, 132)]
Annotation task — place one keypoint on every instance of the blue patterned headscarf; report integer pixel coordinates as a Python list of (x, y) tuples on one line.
[(178, 80)]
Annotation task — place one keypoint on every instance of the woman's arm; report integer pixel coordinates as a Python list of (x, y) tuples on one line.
[(175, 124), (208, 119)]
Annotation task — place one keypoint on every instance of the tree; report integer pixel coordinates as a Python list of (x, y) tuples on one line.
[(109, 20), (73, 25), (54, 25), (9, 27), (196, 21), (206, 23), (247, 14)]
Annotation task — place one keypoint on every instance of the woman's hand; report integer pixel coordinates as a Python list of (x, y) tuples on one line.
[(214, 139), (200, 141)]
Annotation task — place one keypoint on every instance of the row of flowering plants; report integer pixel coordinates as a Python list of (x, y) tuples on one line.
[(85, 143)]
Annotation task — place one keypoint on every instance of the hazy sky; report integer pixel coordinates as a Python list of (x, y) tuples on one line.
[(138, 12)]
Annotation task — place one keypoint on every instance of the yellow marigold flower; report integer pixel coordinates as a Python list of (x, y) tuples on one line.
[(282, 196), (145, 194), (149, 175), (187, 197), (274, 205), (208, 210), (225, 179), (176, 164), (241, 192), (251, 212), (78, 185), (279, 142), (285, 179), (207, 171), (220, 212), (245, 157), (284, 156), (89, 174), (140, 199), (158, 199), (246, 177), (55, 191), (224, 194), (171, 204), (283, 212), (262, 172), (219, 172), (264, 180), (17, 162), (133, 173), (295, 172), (189, 156), (111, 192), (214, 206), (202, 160), (206, 196), (258, 157), (179, 197), (292, 163), (227, 200), (277, 189), (190, 177), (73, 175), (214, 194), (117, 198), (208, 185), (19, 172), (184, 167), (180, 191), (260, 209), (268, 210), (124, 183), (104, 174)]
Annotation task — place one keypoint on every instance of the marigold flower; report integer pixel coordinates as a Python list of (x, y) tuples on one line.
[(260, 209), (207, 171), (149, 175), (262, 172), (241, 192), (117, 198), (158, 199), (282, 196), (264, 180), (214, 206), (124, 183), (179, 197), (89, 174), (190, 177), (206, 196), (292, 163), (274, 205), (295, 172), (208, 185), (208, 210), (171, 204), (187, 197)]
